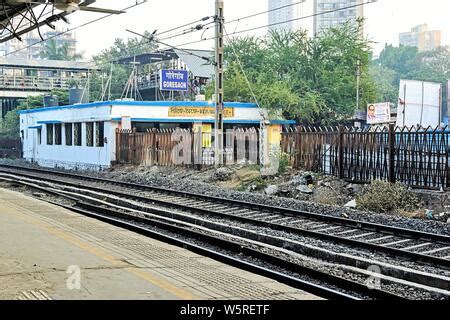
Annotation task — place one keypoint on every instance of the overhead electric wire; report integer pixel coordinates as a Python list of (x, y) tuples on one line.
[(170, 46), (204, 19), (264, 12), (184, 25), (283, 22), (74, 28), (197, 28), (238, 58), (226, 22), (250, 29)]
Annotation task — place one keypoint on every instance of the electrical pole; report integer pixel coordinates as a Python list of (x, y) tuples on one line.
[(358, 79), (218, 132)]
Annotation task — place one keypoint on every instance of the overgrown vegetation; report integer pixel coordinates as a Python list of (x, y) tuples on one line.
[(283, 163), (385, 197), (53, 51), (255, 184), (120, 73), (312, 80), (396, 63), (9, 126)]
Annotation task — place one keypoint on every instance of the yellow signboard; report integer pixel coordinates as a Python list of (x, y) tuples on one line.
[(187, 112), (274, 133)]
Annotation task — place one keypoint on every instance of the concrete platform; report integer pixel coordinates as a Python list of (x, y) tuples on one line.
[(47, 252)]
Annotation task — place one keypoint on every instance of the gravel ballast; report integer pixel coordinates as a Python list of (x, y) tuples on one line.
[(184, 182)]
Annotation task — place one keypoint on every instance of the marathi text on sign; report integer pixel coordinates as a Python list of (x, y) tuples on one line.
[(198, 112), (174, 80)]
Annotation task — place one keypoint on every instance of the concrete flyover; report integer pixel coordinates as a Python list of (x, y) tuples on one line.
[(47, 252)]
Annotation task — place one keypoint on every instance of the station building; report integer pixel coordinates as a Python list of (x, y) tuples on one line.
[(82, 136)]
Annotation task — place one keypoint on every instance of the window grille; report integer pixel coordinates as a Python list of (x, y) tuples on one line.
[(89, 134)]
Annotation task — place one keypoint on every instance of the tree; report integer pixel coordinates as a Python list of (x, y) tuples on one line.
[(9, 126), (386, 81), (396, 63), (403, 60), (120, 49), (53, 51), (311, 80)]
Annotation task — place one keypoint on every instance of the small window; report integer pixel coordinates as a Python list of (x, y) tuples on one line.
[(58, 134), (22, 135), (50, 134), (99, 134), (39, 136), (68, 132), (89, 134), (77, 134)]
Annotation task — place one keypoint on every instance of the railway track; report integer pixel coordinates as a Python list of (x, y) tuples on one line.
[(278, 233)]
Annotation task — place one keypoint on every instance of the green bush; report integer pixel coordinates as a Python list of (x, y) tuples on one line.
[(259, 184), (385, 197), (283, 163)]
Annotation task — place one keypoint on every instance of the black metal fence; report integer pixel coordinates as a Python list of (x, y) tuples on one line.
[(416, 157)]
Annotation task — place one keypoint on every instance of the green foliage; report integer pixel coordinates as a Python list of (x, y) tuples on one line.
[(396, 63), (309, 79), (257, 184), (53, 51), (120, 49), (9, 127), (385, 197), (283, 163), (386, 83)]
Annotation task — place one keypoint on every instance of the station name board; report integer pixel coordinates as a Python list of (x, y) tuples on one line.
[(174, 80), (198, 112)]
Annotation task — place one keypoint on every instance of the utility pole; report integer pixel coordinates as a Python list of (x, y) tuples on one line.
[(218, 133), (358, 80)]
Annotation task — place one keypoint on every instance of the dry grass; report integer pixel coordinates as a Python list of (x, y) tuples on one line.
[(385, 197)]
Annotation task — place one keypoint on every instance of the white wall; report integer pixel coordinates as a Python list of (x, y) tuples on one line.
[(92, 157), (63, 155)]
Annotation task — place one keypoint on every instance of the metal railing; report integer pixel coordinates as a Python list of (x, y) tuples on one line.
[(37, 83), (416, 157)]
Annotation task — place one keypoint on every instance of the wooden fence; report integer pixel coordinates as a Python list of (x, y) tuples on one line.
[(185, 147), (418, 158), (10, 148)]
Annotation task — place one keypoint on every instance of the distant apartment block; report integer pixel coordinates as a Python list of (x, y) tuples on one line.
[(31, 45), (289, 17), (422, 38), (329, 15)]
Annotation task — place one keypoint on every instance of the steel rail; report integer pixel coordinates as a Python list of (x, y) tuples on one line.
[(133, 223), (419, 235), (413, 256), (98, 197)]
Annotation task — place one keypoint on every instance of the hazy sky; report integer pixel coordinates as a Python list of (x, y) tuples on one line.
[(385, 19)]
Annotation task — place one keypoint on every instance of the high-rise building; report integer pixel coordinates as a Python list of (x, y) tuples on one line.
[(335, 17), (292, 11), (281, 15), (422, 38), (31, 45)]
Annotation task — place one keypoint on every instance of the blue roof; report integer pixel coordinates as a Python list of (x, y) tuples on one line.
[(143, 104)]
